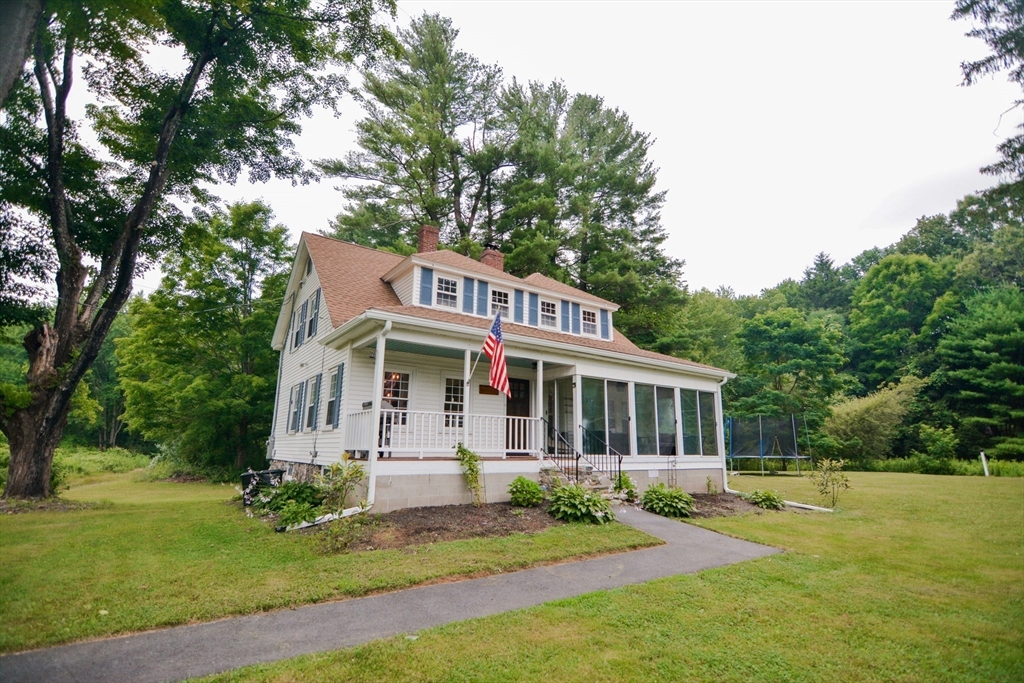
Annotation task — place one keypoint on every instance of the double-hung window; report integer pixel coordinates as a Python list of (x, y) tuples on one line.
[(334, 397), (314, 314), (300, 327), (447, 292), (313, 402), (296, 400), (454, 401), (499, 303), (589, 322), (548, 314)]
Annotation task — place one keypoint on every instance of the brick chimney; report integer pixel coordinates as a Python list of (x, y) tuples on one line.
[(493, 258), (428, 239)]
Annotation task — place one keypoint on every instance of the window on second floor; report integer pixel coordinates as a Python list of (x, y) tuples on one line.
[(447, 292), (314, 314), (548, 314), (499, 303), (589, 322)]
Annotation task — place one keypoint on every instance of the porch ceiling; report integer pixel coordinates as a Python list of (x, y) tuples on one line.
[(448, 352)]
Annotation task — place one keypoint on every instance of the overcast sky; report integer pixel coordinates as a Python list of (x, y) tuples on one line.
[(783, 128)]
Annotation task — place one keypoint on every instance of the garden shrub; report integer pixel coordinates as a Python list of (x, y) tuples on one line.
[(863, 429), (624, 484), (337, 482), (573, 503), (470, 464), (293, 512), (769, 500), (525, 493), (274, 499), (829, 478), (667, 502)]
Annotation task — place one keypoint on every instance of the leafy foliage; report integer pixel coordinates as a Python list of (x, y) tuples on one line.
[(197, 368), (525, 493), (668, 502), (830, 480), (338, 481), (274, 499), (573, 503), (769, 500), (624, 484), (471, 472), (864, 428)]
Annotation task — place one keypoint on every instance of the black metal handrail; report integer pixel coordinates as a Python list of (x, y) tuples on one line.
[(560, 451), (600, 455)]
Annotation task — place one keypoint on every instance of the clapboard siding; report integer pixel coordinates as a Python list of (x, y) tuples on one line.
[(403, 288)]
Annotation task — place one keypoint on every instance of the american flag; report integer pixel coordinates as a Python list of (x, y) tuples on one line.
[(494, 348)]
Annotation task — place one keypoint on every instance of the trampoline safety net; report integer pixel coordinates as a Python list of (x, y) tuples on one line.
[(764, 437)]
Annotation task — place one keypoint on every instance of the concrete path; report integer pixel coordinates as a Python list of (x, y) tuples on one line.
[(201, 649)]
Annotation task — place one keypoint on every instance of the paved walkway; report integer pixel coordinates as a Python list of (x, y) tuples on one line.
[(201, 649)]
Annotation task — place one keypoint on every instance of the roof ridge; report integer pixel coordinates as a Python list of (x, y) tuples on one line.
[(353, 244)]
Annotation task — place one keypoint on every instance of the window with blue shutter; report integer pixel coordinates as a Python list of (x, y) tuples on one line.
[(300, 329), (481, 298), (467, 295), (517, 309), (606, 331), (575, 318), (313, 413), (314, 316), (426, 286), (334, 404), (565, 316), (534, 305)]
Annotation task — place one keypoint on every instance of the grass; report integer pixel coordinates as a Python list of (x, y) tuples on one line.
[(159, 554), (915, 578)]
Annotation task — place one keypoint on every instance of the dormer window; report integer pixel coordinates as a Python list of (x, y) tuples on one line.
[(548, 314), (590, 322), (499, 303), (447, 292)]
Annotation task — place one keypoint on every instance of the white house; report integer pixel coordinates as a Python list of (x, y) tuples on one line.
[(376, 357)]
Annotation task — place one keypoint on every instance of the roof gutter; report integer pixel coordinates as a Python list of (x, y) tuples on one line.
[(465, 330)]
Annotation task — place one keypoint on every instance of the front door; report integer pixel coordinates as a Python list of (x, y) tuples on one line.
[(517, 432)]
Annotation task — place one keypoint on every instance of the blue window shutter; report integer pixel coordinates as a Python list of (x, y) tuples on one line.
[(426, 286), (534, 309), (565, 316), (481, 298), (575, 318), (336, 418), (606, 332), (288, 416), (316, 403), (467, 295), (518, 310)]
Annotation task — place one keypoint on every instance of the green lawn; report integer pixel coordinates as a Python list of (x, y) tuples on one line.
[(160, 554), (915, 578)]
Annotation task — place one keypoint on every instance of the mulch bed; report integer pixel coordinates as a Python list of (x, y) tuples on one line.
[(722, 505), (418, 526)]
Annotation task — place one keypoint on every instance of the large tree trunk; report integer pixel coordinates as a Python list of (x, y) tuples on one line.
[(18, 21)]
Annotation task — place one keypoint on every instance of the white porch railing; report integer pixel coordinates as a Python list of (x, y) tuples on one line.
[(409, 433)]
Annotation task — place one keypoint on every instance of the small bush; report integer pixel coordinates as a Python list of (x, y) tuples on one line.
[(830, 479), (525, 493), (625, 484), (294, 512), (339, 535), (337, 482), (274, 500), (769, 500), (573, 503), (667, 502)]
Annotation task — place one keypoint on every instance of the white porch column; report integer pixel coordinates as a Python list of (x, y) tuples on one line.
[(467, 369), (378, 394), (577, 412), (633, 417), (539, 410)]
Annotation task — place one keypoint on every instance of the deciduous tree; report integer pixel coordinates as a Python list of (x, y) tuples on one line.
[(249, 71)]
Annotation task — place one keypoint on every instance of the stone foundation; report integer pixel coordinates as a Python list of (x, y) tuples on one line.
[(299, 471)]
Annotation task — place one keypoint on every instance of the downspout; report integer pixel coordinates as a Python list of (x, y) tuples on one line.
[(378, 391), (725, 473)]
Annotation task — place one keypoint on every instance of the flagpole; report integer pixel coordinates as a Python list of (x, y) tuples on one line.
[(473, 371)]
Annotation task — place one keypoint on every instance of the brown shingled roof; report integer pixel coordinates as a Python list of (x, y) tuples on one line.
[(350, 276), (544, 282), (619, 343), (454, 259)]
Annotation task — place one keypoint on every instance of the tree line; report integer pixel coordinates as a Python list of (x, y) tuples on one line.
[(560, 182)]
